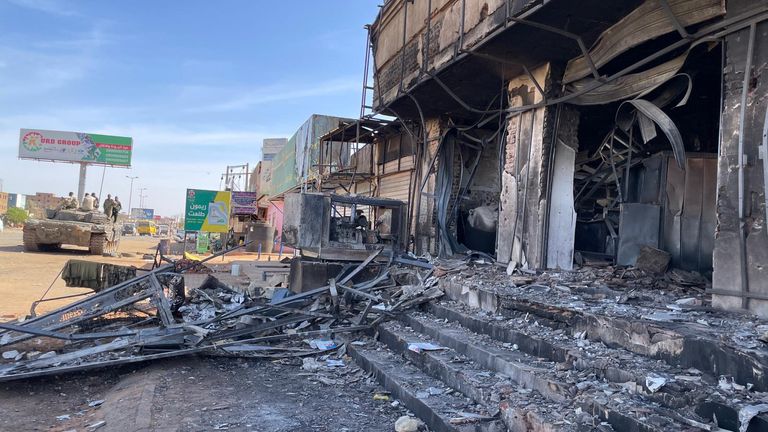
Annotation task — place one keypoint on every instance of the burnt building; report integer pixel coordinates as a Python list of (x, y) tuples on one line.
[(545, 132)]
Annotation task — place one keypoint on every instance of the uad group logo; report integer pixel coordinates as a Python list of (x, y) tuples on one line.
[(32, 141), (191, 194)]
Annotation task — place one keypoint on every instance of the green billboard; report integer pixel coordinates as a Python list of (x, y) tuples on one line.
[(207, 210)]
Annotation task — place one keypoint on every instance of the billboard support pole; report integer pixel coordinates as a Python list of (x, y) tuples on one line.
[(81, 182)]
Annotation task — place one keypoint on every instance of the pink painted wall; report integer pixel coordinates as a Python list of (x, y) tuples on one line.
[(275, 218)]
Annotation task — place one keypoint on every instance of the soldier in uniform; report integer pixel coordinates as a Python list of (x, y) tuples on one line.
[(88, 203), (116, 208), (95, 201), (69, 203), (108, 204)]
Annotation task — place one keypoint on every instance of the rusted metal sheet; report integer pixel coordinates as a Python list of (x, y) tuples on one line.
[(645, 23)]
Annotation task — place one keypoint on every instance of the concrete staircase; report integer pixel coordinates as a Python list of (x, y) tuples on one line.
[(537, 368)]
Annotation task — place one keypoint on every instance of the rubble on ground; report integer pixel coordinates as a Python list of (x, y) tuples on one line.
[(324, 330), (151, 316)]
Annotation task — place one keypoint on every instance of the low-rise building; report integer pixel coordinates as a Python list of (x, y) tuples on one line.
[(3, 202), (40, 201), (17, 200)]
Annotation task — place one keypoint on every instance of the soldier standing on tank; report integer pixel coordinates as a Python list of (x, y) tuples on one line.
[(108, 204), (95, 201)]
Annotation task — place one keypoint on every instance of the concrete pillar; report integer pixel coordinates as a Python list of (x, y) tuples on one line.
[(741, 260), (81, 182), (424, 227), (523, 193)]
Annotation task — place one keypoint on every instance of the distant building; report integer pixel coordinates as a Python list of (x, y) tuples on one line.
[(269, 149), (37, 203), (17, 200), (3, 202)]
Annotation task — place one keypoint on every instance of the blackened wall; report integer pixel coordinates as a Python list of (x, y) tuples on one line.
[(728, 256)]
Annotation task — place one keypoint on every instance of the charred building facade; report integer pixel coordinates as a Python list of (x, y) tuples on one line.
[(552, 132)]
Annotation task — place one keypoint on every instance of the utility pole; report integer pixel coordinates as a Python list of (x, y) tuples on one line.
[(142, 196), (235, 172), (130, 194)]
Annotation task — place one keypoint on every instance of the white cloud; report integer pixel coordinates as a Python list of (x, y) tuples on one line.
[(33, 67), (207, 99), (47, 6)]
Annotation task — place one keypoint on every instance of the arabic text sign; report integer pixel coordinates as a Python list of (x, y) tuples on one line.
[(207, 210), (142, 213), (245, 203), (75, 147)]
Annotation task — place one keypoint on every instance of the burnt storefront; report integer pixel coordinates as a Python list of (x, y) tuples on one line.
[(555, 133)]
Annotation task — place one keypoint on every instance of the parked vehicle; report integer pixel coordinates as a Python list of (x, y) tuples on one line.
[(163, 230), (129, 229), (146, 228)]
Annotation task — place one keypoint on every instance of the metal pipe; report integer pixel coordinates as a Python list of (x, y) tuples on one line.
[(673, 18), (461, 28), (764, 151), (740, 158), (613, 167), (457, 98), (402, 50), (575, 37), (629, 161)]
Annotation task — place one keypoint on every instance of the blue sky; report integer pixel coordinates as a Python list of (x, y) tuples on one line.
[(197, 83)]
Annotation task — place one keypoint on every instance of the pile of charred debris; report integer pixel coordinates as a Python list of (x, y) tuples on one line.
[(603, 347), (153, 316)]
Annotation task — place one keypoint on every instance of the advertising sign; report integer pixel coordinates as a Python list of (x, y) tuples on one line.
[(142, 213), (207, 210), (75, 147), (245, 203)]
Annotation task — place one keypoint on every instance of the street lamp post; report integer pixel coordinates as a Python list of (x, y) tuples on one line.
[(142, 196), (130, 194)]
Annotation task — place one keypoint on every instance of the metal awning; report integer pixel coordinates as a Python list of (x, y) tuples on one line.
[(369, 128)]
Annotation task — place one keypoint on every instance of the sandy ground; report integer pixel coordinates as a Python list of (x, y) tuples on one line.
[(24, 276)]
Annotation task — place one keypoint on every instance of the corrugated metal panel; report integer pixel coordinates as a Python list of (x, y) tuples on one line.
[(396, 165), (395, 186), (361, 188)]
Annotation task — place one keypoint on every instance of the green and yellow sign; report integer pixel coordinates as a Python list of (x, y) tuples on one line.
[(207, 210), (80, 147)]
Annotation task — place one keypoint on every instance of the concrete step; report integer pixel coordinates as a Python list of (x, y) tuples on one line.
[(712, 341), (443, 412), (687, 345), (521, 409), (682, 388), (625, 412)]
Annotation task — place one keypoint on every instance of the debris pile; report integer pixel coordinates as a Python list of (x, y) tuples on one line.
[(151, 316)]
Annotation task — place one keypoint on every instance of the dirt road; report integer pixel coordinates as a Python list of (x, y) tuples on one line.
[(24, 276)]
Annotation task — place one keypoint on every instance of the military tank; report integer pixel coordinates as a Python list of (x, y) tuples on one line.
[(91, 229)]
